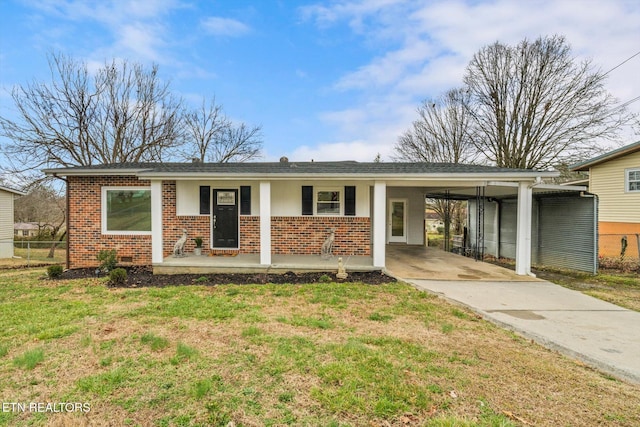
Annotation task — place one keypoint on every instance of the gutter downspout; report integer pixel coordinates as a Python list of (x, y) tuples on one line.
[(67, 217)]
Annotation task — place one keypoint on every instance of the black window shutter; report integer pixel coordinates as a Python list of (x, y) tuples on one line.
[(350, 200), (245, 200), (205, 200), (307, 200)]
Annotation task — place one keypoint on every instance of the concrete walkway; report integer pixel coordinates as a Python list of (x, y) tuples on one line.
[(602, 335)]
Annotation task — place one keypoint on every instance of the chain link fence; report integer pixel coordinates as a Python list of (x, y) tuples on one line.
[(29, 253), (619, 251)]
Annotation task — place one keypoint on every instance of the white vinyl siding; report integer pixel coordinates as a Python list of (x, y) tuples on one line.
[(609, 181), (6, 224)]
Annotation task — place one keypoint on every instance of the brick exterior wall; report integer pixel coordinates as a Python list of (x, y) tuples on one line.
[(301, 235), (172, 225), (304, 235), (85, 227)]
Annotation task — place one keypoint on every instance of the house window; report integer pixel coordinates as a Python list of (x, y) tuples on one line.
[(126, 210), (632, 180), (328, 202)]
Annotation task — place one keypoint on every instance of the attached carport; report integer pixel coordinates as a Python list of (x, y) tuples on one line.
[(533, 223)]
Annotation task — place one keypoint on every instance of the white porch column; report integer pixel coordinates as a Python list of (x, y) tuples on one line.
[(156, 222), (265, 223), (379, 221), (523, 237)]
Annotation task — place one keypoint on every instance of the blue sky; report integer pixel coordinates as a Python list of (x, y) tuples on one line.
[(327, 80)]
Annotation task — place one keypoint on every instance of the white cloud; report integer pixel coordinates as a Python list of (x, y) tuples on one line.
[(135, 26), (227, 27), (434, 41), (359, 150)]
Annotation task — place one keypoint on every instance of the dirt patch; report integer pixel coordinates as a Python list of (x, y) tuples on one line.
[(144, 277)]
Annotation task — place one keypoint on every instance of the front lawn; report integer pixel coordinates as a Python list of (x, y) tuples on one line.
[(321, 354)]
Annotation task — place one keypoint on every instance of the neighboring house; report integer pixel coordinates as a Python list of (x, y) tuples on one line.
[(26, 229), (432, 221), (615, 178), (261, 212), (6, 220)]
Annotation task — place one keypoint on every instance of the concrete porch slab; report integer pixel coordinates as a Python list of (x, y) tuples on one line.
[(250, 263)]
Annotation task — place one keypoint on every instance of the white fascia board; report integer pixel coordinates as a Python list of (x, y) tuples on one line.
[(14, 191), (558, 187), (93, 172), (518, 176)]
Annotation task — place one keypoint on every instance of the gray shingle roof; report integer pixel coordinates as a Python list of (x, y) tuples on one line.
[(283, 168)]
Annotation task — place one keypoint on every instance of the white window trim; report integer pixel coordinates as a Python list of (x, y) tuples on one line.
[(103, 210), (339, 190), (627, 172)]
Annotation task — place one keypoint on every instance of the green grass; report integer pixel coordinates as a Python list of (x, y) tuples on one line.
[(29, 359), (154, 342), (319, 354)]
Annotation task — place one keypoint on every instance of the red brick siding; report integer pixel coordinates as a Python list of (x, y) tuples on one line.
[(249, 234), (85, 227), (172, 225), (289, 235), (304, 235)]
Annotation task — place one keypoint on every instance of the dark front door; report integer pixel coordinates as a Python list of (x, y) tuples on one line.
[(225, 219)]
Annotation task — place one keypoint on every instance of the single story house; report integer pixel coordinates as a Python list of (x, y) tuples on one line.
[(7, 195), (269, 210), (26, 229), (615, 178)]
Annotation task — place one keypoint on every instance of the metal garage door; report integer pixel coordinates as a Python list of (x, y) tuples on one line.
[(568, 233)]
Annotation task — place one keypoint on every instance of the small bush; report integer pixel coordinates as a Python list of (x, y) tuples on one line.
[(54, 271), (325, 278), (118, 276), (108, 259)]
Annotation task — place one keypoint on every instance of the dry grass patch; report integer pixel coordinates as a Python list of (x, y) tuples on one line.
[(326, 354)]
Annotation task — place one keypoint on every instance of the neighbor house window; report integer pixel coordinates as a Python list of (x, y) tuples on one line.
[(632, 179), (328, 202), (126, 210)]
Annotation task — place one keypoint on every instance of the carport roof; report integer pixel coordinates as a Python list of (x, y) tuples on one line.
[(292, 169)]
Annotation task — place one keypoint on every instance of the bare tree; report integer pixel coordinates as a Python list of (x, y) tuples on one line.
[(211, 137), (45, 206), (441, 132), (533, 105), (123, 113), (238, 143), (203, 129)]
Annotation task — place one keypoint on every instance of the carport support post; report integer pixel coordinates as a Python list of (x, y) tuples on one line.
[(523, 237), (265, 222), (379, 221)]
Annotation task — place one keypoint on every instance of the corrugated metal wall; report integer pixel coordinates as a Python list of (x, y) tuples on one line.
[(567, 234), (564, 230)]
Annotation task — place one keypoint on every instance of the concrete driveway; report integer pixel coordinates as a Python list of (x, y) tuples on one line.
[(420, 262), (600, 334)]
